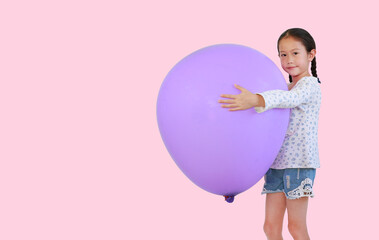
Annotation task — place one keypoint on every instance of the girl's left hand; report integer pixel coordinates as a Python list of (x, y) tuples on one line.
[(242, 101)]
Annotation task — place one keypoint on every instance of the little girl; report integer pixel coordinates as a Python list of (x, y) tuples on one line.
[(289, 181)]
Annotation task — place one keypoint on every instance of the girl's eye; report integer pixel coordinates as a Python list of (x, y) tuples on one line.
[(295, 52), (283, 55)]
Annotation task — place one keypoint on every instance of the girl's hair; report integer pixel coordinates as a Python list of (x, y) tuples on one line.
[(308, 42)]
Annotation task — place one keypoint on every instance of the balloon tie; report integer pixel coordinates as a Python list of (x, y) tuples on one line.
[(229, 199)]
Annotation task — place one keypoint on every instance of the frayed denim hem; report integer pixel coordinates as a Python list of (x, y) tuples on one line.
[(300, 195), (264, 191)]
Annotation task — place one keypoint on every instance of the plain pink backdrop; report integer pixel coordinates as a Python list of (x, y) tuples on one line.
[(81, 155)]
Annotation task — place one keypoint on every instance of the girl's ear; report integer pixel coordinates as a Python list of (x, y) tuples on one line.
[(311, 54)]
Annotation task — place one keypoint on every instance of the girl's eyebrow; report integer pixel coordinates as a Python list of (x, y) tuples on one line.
[(292, 49)]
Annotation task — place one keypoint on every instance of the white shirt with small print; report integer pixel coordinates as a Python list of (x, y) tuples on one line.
[(300, 145)]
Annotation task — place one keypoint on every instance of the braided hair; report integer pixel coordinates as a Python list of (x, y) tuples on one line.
[(307, 41)]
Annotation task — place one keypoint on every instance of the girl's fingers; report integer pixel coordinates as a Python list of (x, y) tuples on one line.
[(235, 109), (229, 105), (227, 95), (239, 87), (225, 101)]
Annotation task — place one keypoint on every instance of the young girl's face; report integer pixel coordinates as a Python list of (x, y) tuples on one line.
[(294, 57)]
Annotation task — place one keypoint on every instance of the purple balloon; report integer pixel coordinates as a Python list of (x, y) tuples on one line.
[(223, 152)]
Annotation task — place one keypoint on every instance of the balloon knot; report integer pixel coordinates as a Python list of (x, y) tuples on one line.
[(229, 199)]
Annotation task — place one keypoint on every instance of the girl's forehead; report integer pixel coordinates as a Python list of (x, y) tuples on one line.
[(289, 44)]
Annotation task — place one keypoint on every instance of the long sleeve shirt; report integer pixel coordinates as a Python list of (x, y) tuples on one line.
[(300, 145)]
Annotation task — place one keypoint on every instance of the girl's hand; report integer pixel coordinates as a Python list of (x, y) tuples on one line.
[(242, 101)]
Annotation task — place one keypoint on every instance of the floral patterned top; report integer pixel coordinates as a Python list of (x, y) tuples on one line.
[(300, 145)]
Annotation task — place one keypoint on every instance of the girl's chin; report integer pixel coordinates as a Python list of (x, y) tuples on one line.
[(291, 72)]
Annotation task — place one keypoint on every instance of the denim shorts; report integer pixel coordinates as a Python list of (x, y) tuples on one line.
[(294, 182)]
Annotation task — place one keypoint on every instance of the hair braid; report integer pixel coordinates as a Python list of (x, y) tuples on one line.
[(313, 69)]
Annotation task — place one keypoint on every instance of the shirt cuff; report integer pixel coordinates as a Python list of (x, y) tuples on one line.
[(262, 109), (259, 109)]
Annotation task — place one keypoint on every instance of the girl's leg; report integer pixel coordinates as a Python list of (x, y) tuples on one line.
[(275, 209), (297, 213)]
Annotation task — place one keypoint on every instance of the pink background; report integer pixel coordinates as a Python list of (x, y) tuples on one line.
[(81, 155)]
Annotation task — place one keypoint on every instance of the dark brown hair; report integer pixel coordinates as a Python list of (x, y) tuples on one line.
[(308, 42)]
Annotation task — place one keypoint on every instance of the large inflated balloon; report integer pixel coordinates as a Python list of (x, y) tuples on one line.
[(223, 152)]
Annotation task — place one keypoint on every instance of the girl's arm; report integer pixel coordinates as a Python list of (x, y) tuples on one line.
[(287, 99)]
